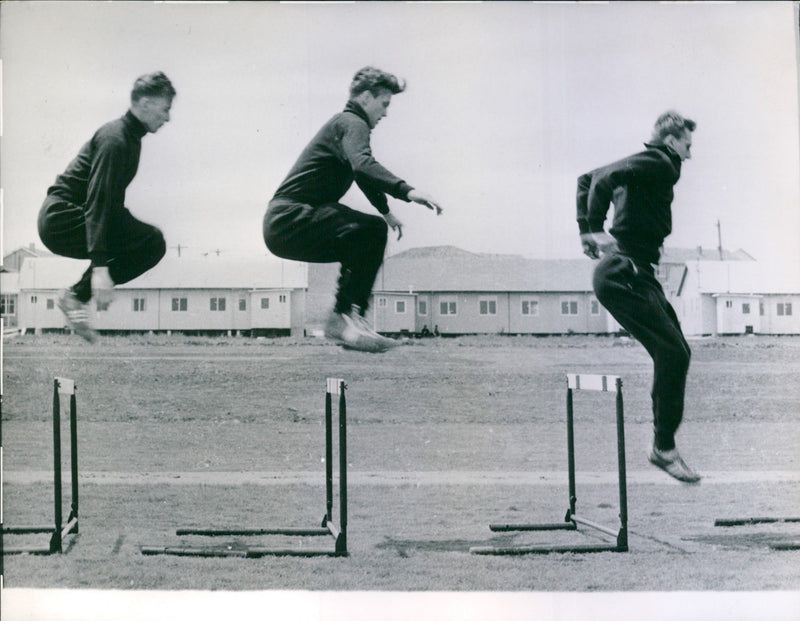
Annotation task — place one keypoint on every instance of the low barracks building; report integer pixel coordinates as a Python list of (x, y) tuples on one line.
[(440, 288), (208, 295), (458, 292)]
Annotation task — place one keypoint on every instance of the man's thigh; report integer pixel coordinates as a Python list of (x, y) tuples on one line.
[(319, 233)]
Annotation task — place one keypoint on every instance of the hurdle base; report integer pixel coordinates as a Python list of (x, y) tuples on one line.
[(327, 529), (28, 550), (252, 552), (754, 520), (791, 545), (544, 549), (55, 545), (252, 532), (501, 528), (571, 523)]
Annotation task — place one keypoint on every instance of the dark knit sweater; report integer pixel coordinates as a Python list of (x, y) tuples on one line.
[(338, 155), (641, 188), (98, 177)]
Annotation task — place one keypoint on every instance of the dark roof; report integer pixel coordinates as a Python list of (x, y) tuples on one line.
[(265, 272), (446, 268)]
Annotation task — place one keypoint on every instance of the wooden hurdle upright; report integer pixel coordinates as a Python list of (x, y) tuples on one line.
[(603, 383), (58, 531)]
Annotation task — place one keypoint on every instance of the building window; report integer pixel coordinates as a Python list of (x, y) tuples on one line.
[(217, 304), (34, 299), (242, 304), (569, 307), (400, 307), (728, 303), (138, 305), (51, 303), (530, 307), (447, 307), (264, 303), (422, 307), (282, 299), (381, 302), (761, 308), (745, 308), (8, 304), (595, 307), (180, 304), (487, 306), (784, 308)]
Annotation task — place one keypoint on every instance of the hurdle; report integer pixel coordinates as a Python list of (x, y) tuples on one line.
[(62, 387), (575, 382), (786, 545), (327, 527)]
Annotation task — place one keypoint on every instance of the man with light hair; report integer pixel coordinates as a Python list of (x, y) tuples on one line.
[(306, 222), (641, 188), (84, 214)]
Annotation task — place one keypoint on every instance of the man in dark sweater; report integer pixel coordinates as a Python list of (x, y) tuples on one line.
[(306, 222), (84, 215), (641, 188)]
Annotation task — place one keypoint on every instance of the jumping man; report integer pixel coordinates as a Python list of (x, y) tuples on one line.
[(305, 221), (641, 188), (84, 215)]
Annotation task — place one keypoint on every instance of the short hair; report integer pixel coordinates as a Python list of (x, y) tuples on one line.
[(671, 124), (154, 84), (374, 80)]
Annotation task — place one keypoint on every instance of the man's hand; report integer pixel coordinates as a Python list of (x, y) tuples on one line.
[(423, 199), (102, 287), (394, 224), (595, 244)]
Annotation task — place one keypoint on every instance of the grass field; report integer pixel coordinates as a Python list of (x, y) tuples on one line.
[(445, 436)]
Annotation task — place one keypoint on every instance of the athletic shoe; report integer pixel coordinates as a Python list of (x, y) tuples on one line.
[(672, 463), (351, 333), (363, 325), (77, 314)]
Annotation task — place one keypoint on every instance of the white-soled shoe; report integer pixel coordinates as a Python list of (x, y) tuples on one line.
[(77, 314), (382, 343), (351, 331), (672, 463)]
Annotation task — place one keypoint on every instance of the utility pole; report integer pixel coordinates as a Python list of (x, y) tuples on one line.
[(719, 239)]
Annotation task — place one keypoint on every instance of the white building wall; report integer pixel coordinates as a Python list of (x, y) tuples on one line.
[(37, 310), (271, 309), (737, 314), (394, 312), (120, 314), (774, 323)]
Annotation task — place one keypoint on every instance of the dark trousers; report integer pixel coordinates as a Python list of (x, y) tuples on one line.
[(135, 246), (631, 293), (330, 233)]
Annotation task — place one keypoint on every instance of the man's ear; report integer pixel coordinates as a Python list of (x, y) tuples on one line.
[(363, 97)]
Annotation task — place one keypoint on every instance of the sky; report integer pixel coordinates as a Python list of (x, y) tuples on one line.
[(506, 104)]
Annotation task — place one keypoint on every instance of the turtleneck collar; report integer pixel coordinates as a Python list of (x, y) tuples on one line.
[(356, 109), (135, 125), (674, 158)]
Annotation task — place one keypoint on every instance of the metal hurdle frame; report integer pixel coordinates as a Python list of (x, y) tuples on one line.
[(61, 386), (328, 527), (604, 383)]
